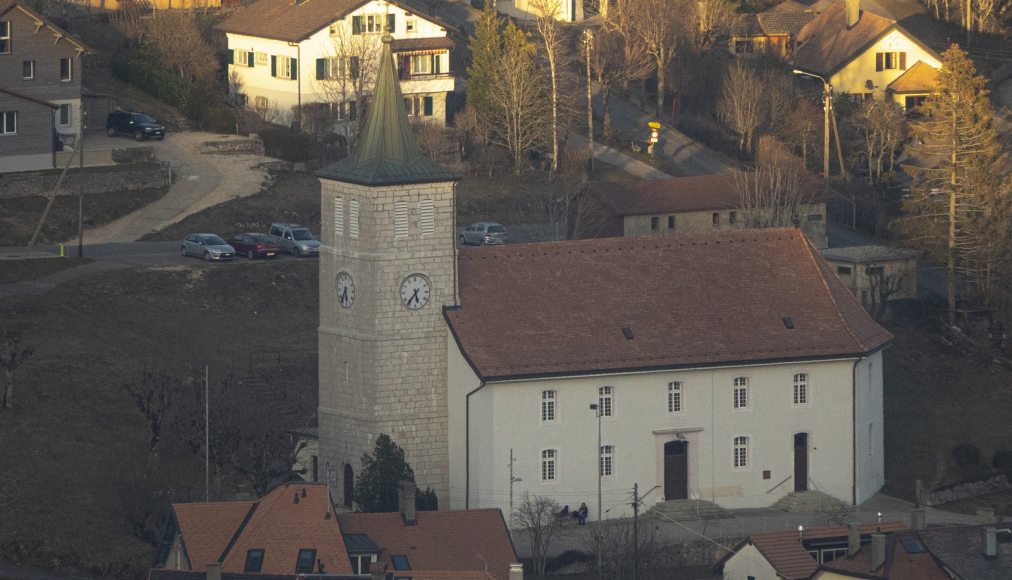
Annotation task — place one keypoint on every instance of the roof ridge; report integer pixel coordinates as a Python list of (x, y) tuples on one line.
[(238, 532), (824, 282)]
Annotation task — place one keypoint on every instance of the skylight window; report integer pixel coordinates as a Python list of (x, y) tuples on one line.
[(400, 562), (305, 561), (254, 560)]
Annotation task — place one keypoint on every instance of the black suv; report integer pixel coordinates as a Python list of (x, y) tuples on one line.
[(140, 125)]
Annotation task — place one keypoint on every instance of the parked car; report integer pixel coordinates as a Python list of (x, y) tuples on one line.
[(295, 239), (140, 125), (255, 245), (209, 246), (483, 233)]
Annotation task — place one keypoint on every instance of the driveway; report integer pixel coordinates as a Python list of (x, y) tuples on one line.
[(199, 181)]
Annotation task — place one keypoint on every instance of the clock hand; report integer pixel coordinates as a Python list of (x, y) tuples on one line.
[(414, 297), (344, 296)]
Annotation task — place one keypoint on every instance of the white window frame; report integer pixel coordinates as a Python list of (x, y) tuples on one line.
[(335, 68), (421, 64), (675, 394), (69, 110), (283, 67), (31, 73), (606, 401), (549, 406), (549, 465), (260, 58), (606, 463), (5, 36), (411, 25), (241, 57), (741, 452), (8, 123), (374, 23), (740, 400), (801, 394), (70, 70)]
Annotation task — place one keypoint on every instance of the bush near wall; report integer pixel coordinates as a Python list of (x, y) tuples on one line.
[(141, 68), (286, 144)]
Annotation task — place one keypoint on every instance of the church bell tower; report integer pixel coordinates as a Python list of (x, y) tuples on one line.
[(386, 272)]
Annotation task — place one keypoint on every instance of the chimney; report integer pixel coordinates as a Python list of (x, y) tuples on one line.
[(853, 9), (990, 542), (406, 501), (516, 572), (878, 550), (214, 571), (917, 521), (853, 539), (986, 515)]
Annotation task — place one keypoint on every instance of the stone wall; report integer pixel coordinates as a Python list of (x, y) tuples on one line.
[(110, 179), (253, 145), (965, 490)]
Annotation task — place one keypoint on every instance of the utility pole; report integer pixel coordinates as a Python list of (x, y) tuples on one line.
[(597, 409), (512, 481), (80, 190), (588, 38), (207, 440), (636, 529)]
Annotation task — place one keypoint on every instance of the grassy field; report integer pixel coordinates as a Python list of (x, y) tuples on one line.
[(14, 271)]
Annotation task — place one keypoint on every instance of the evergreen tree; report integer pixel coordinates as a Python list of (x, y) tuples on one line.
[(961, 211), (486, 52), (376, 488)]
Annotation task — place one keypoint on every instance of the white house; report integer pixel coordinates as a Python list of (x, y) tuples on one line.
[(733, 367), (321, 55)]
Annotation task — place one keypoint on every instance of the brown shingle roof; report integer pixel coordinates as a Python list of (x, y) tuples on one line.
[(457, 544), (294, 21), (6, 6), (689, 299), (430, 43), (206, 528), (284, 522), (825, 45), (899, 564), (678, 194), (920, 78), (789, 557)]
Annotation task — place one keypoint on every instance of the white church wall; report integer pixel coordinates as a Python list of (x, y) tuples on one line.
[(869, 430), (749, 563), (641, 424)]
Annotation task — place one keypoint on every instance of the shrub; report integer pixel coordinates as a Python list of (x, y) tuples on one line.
[(286, 144), (141, 68), (1002, 461), (966, 455), (217, 119), (426, 501)]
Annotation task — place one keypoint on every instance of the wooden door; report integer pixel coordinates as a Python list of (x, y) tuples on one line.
[(801, 462), (349, 485), (676, 470)]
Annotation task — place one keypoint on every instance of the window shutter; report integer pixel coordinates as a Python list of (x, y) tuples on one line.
[(436, 61), (400, 219), (356, 25), (428, 106), (274, 66), (230, 57), (321, 64), (879, 61), (250, 59), (426, 219), (903, 61), (354, 67), (295, 69), (391, 23), (338, 217), (353, 218)]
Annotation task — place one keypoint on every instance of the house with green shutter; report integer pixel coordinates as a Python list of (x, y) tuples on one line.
[(313, 63)]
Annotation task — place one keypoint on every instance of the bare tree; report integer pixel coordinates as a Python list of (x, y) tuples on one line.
[(773, 193), (740, 106), (175, 29), (556, 52), (801, 130), (883, 129), (348, 78), (617, 58), (628, 553), (659, 26), (716, 18), (538, 517), (153, 396), (13, 353), (883, 285)]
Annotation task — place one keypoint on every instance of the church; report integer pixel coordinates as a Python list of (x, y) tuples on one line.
[(732, 367)]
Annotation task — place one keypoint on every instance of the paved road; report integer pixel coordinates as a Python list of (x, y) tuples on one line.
[(689, 156), (614, 157)]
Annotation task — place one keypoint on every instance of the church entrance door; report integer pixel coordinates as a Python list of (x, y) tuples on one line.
[(801, 462), (676, 470)]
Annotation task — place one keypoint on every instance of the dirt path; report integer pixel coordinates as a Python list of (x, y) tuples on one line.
[(199, 182)]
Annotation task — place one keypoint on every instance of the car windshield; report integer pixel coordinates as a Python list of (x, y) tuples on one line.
[(214, 241), (496, 230), (302, 235), (142, 118)]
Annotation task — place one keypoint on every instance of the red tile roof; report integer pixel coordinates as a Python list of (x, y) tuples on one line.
[(899, 564), (689, 300), (295, 21), (277, 524), (679, 194), (789, 557), (825, 45), (920, 78), (456, 544), (206, 528), (285, 522)]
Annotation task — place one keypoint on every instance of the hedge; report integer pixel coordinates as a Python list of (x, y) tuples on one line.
[(141, 68)]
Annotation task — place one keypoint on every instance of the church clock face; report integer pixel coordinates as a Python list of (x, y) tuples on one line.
[(415, 291), (345, 289)]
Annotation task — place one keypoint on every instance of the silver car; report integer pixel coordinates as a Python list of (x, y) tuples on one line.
[(209, 246), (295, 239), (483, 233)]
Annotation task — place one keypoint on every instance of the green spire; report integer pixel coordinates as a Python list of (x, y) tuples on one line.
[(387, 153)]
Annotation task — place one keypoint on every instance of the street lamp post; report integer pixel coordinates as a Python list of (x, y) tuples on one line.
[(597, 410), (827, 103), (588, 39)]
